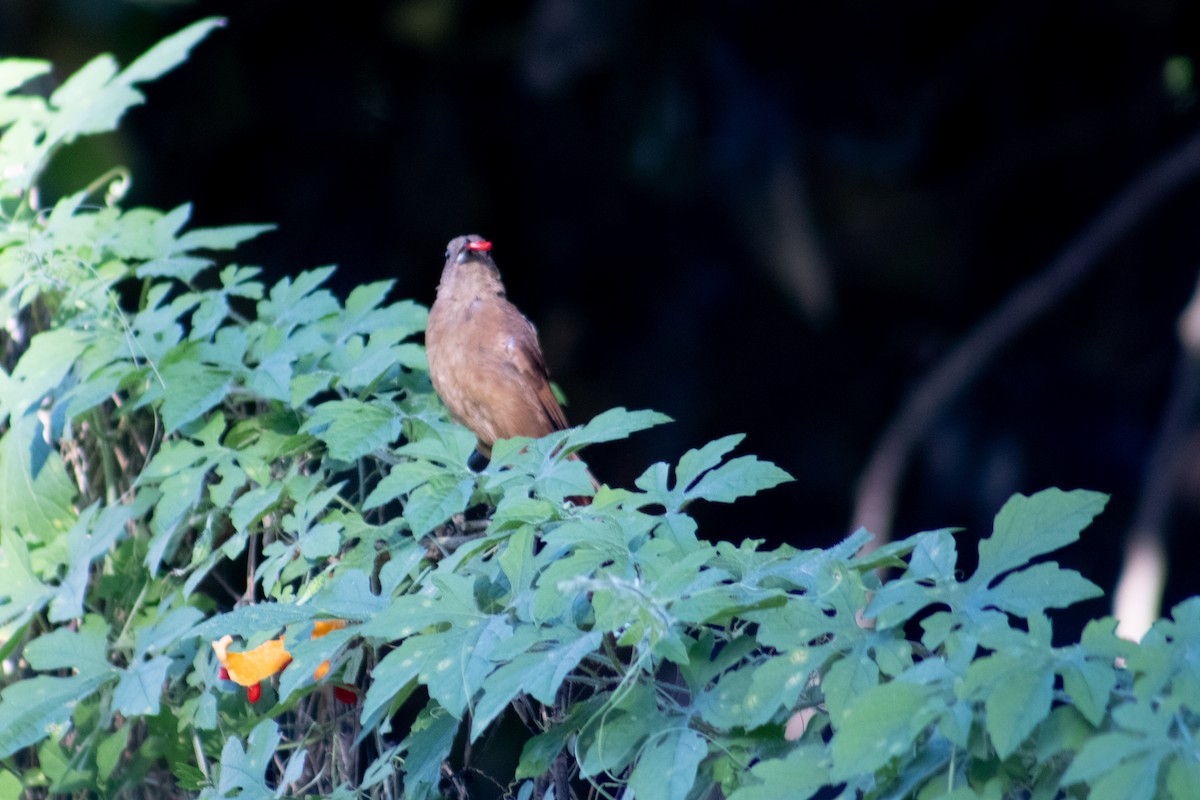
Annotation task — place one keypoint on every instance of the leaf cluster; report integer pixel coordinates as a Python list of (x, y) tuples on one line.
[(189, 453)]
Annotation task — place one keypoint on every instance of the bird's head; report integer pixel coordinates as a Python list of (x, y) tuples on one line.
[(471, 247), (469, 268), (469, 259)]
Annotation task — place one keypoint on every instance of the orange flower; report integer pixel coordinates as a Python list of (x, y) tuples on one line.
[(324, 626), (252, 666)]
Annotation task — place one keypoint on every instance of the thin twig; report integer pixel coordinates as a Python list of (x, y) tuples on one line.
[(561, 770), (876, 494)]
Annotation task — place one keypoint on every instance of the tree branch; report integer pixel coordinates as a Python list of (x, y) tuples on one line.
[(875, 498)]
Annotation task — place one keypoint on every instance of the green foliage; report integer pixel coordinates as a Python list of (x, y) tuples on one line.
[(189, 453)]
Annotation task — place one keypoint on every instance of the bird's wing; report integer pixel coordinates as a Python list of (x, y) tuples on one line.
[(525, 356)]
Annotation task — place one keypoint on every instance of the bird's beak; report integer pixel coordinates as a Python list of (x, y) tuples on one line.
[(481, 246)]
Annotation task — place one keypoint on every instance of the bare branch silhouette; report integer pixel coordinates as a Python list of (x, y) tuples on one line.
[(875, 498), (1137, 601)]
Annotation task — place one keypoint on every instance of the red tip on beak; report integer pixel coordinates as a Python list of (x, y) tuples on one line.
[(482, 246)]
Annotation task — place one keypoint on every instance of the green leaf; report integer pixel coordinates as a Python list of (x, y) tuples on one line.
[(446, 662), (175, 455), (250, 507), (1133, 779), (21, 594), (170, 52), (191, 389), (294, 302), (798, 776), (226, 237), (1027, 527), (140, 689), (777, 684), (539, 673), (381, 768), (400, 480), (250, 620), (741, 477), (66, 774), (359, 366), (35, 492), (616, 423), (320, 541), (427, 745), (307, 654), (79, 650), (1018, 684), (453, 663), (89, 539), (724, 706), (172, 626), (1168, 656), (881, 723), (181, 493), (1183, 775), (517, 559), (109, 751), (244, 769), (15, 72), (610, 743), (437, 501), (208, 316), (441, 442), (1064, 731), (698, 477), (37, 707), (352, 429), (146, 233), (182, 268), (696, 462), (935, 557), (849, 677), (1100, 754), (1046, 585), (362, 307), (348, 594), (667, 766), (90, 101), (1017, 706), (445, 598), (233, 478), (41, 369), (898, 601), (539, 752), (1089, 684)]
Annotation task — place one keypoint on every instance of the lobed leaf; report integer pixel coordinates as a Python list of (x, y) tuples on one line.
[(611, 425), (244, 769), (1027, 527), (170, 52)]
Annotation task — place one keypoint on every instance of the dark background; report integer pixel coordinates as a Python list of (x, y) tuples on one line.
[(759, 217)]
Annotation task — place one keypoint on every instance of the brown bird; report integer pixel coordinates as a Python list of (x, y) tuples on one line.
[(484, 356)]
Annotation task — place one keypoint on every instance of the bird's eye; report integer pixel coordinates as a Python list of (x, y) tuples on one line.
[(447, 253)]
